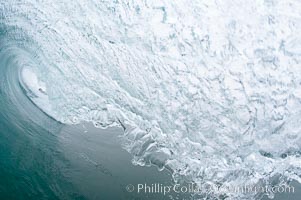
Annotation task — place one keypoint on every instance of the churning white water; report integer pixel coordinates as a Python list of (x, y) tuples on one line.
[(209, 89)]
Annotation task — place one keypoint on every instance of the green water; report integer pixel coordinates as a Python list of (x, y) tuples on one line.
[(43, 159), (31, 165)]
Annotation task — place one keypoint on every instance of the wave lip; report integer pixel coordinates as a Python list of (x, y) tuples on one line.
[(199, 88)]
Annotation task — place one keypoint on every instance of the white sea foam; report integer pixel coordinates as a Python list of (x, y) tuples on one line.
[(210, 89), (35, 89)]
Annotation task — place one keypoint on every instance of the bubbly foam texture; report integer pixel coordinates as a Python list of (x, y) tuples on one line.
[(209, 89)]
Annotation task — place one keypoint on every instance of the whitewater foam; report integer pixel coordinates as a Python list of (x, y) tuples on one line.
[(35, 89), (209, 89)]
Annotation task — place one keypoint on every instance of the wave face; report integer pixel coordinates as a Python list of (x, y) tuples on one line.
[(210, 90)]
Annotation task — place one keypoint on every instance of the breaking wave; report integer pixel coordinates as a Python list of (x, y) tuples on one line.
[(209, 89)]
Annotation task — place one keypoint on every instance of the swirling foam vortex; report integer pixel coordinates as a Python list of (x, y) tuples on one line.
[(209, 90)]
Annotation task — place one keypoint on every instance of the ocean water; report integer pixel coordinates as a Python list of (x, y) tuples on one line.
[(206, 91)]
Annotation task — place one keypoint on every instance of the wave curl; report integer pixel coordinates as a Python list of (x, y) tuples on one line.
[(209, 90)]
